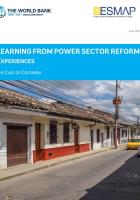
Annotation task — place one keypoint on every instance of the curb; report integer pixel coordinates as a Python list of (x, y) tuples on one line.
[(57, 163)]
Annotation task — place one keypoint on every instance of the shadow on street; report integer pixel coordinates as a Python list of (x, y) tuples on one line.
[(123, 184)]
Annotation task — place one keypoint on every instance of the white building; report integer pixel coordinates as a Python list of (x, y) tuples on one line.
[(31, 130)]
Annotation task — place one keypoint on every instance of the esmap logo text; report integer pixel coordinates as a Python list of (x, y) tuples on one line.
[(113, 11)]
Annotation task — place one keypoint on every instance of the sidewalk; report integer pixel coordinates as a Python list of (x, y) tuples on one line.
[(28, 168)]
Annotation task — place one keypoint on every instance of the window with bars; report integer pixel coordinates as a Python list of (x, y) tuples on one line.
[(66, 133), (53, 133)]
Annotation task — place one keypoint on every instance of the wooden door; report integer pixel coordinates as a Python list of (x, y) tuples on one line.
[(37, 142), (92, 139), (16, 145), (118, 135), (76, 140), (112, 138), (102, 139)]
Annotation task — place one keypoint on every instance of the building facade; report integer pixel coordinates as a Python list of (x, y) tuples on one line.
[(31, 131)]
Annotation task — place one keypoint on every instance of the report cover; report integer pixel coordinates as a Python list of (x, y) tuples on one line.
[(69, 100)]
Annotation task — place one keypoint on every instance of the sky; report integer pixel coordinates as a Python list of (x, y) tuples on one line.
[(95, 93)]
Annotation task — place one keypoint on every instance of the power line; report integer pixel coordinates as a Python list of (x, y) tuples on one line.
[(34, 91), (38, 89)]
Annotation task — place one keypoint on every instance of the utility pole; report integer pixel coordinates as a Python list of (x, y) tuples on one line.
[(116, 116), (116, 102)]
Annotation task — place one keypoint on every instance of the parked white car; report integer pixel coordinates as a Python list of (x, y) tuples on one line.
[(138, 151)]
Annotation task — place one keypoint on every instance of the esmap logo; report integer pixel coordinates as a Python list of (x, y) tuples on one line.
[(109, 11), (23, 11), (2, 12)]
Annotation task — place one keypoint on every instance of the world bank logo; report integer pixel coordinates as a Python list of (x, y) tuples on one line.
[(2, 12)]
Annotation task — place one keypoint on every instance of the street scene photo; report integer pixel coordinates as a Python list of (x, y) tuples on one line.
[(70, 140)]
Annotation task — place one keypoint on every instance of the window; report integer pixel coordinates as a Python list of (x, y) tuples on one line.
[(122, 133), (66, 133), (53, 133), (98, 135), (125, 133), (108, 132), (131, 133)]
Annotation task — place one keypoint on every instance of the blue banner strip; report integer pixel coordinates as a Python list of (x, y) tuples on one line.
[(69, 61)]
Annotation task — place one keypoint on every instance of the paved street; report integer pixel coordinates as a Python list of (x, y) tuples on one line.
[(110, 175)]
